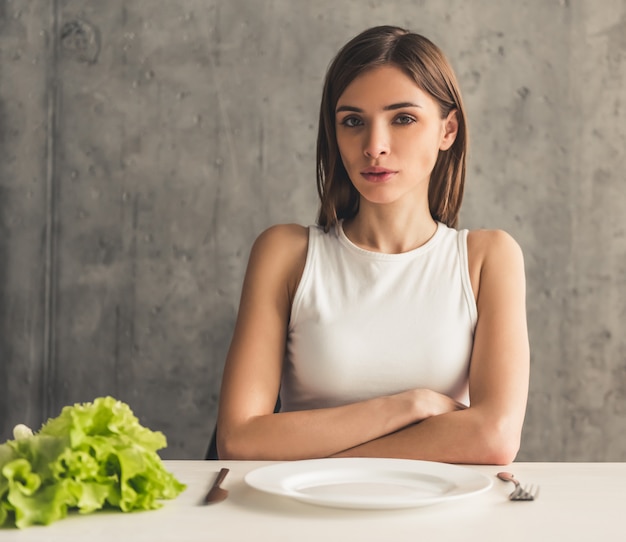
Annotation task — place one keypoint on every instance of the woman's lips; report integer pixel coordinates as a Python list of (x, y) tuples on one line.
[(377, 174)]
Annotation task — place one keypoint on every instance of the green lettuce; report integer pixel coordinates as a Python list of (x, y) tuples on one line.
[(92, 456)]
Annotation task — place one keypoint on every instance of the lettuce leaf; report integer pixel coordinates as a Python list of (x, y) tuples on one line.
[(92, 456)]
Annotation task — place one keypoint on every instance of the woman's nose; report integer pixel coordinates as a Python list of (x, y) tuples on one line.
[(376, 142)]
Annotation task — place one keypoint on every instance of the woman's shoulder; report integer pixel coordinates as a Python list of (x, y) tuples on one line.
[(492, 244), (283, 238), (280, 251), (492, 254)]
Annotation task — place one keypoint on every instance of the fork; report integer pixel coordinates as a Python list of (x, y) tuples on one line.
[(520, 493)]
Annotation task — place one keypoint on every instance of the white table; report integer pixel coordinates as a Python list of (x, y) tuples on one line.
[(578, 502)]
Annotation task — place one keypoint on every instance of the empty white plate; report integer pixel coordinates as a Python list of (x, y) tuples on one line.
[(368, 483)]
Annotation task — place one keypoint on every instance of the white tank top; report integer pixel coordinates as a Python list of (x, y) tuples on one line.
[(365, 324)]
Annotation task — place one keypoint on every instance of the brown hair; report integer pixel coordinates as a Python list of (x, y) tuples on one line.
[(424, 62)]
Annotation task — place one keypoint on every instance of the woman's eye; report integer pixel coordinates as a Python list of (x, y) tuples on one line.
[(351, 122), (404, 119)]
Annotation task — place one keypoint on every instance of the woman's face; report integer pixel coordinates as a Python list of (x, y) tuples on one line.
[(389, 134)]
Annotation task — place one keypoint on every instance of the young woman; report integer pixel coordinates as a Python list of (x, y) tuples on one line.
[(383, 330)]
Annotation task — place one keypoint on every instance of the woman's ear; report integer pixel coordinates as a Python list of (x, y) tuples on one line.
[(450, 130)]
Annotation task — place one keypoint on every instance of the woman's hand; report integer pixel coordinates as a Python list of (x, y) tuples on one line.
[(428, 403)]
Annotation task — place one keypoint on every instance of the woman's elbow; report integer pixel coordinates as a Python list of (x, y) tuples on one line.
[(228, 448), (239, 444), (501, 443), (502, 454), (227, 443)]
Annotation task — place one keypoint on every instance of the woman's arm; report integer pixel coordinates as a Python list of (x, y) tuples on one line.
[(489, 430), (248, 428)]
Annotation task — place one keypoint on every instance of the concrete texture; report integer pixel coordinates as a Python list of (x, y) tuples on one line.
[(145, 143)]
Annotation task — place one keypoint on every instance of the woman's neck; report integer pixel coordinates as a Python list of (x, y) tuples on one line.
[(390, 230)]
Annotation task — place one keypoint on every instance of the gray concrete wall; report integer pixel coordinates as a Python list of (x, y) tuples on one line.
[(145, 143)]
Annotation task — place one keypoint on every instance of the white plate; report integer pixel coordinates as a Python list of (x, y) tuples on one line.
[(368, 483)]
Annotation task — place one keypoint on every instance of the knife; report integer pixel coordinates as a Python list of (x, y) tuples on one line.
[(216, 493)]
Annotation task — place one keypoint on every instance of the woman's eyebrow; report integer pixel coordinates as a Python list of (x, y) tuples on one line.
[(400, 105), (349, 108)]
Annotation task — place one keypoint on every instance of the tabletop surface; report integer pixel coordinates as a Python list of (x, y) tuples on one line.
[(577, 501)]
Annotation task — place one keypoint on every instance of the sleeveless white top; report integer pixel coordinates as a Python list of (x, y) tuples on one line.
[(365, 324)]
